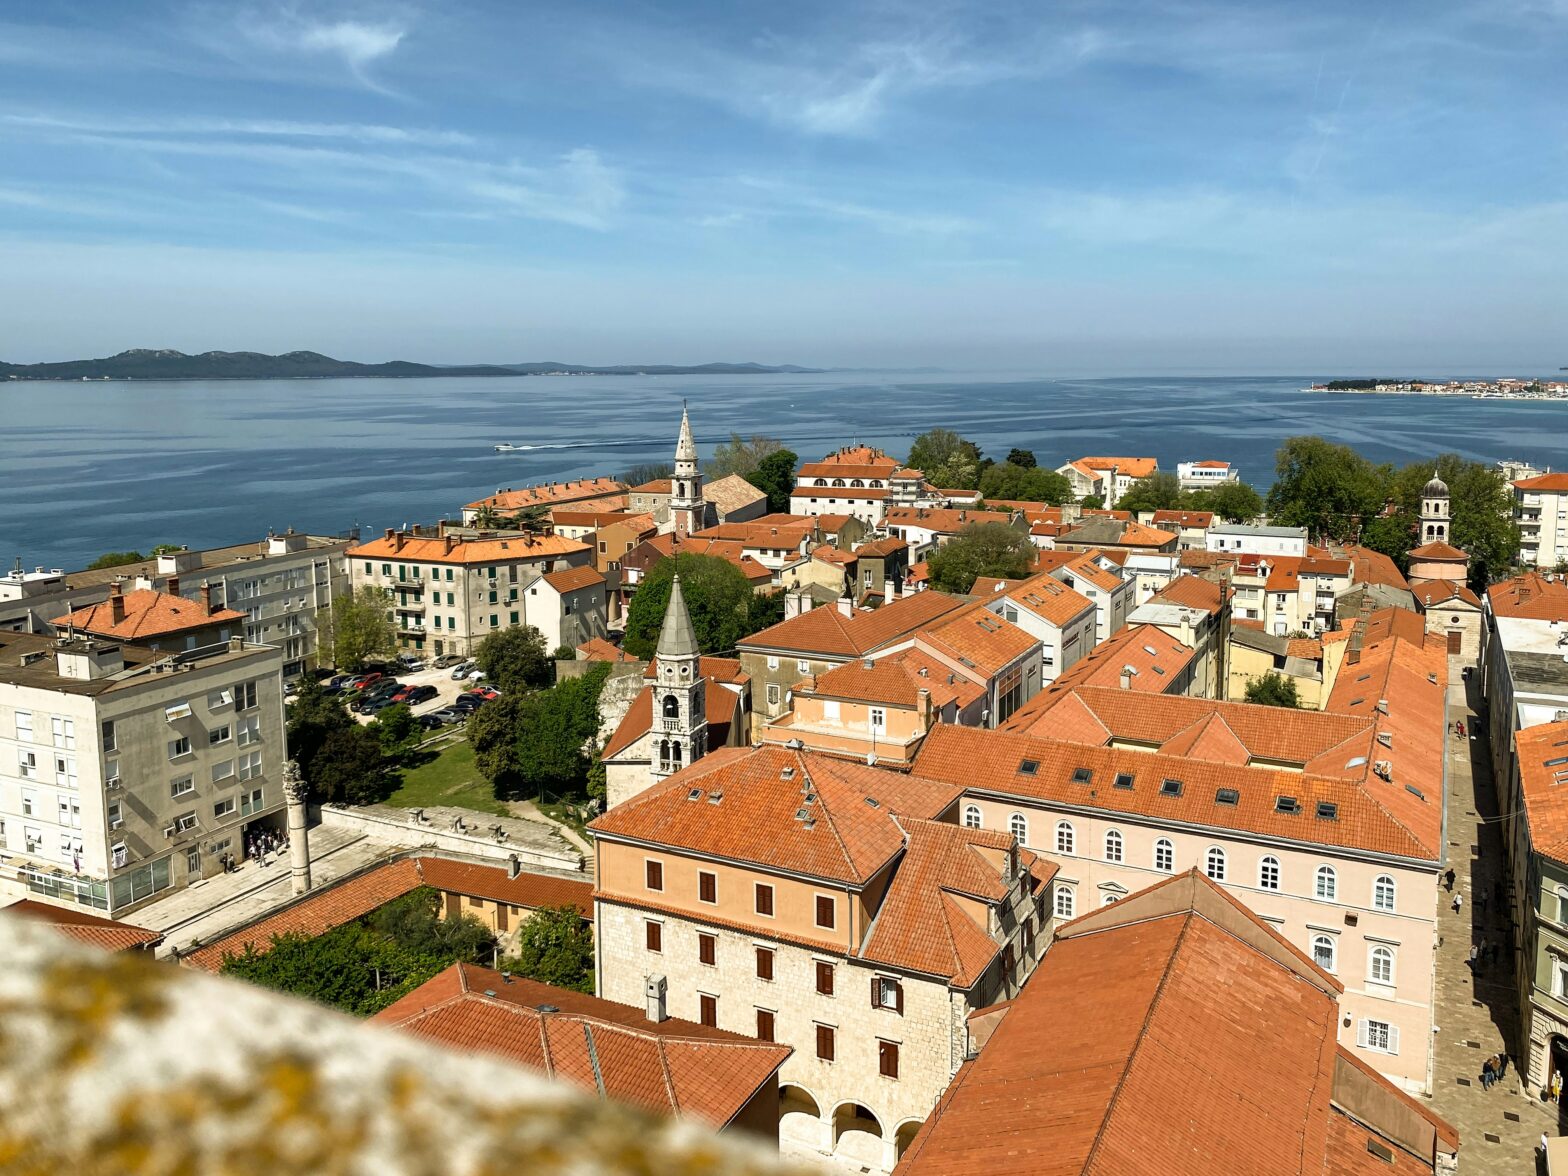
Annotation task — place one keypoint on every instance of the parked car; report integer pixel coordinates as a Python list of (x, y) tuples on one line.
[(376, 694), (487, 692), (450, 714), (337, 680), (422, 693), (412, 664), (467, 703), (462, 671), (447, 660), (360, 681), (475, 675), (429, 722), (376, 705)]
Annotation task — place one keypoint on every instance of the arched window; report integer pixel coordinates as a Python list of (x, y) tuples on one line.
[(1018, 826), (1214, 864), (1268, 873), (1323, 952), (1164, 855), (971, 816), (1109, 899), (1113, 846), (1064, 837), (672, 708), (1383, 892), (1327, 883), (1380, 968), (1064, 902)]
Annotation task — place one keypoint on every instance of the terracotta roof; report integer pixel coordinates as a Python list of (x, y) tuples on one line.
[(657, 486), (731, 492), (1158, 672), (1043, 595), (746, 804), (942, 520), (895, 680), (1185, 518), (1135, 467), (1306, 648), (720, 704), (829, 554), (1393, 622), (826, 631), (759, 534), (598, 649), (831, 524), (1084, 564), (1212, 465), (1530, 597), (718, 669), (1373, 567), (428, 549), (882, 547), (93, 930), (1176, 989), (549, 493), (1437, 551), (1552, 483), (566, 516), (670, 1067), (148, 613), (1543, 775), (978, 640), (574, 579), (650, 551), (871, 493), (920, 926), (1431, 593), (1193, 592), (353, 898), (857, 455)]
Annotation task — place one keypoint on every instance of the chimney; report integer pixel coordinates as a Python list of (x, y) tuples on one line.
[(116, 602), (173, 586), (397, 540), (206, 598), (388, 533), (654, 989), (923, 706), (846, 606), (889, 590), (1126, 680), (513, 866)]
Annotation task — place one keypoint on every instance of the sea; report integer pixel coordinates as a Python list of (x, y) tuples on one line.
[(91, 467)]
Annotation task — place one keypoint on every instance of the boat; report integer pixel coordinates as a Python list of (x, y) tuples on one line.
[(507, 447)]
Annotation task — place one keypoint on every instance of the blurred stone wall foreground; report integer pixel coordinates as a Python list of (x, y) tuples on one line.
[(113, 1064)]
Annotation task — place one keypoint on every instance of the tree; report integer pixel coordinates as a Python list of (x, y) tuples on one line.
[(555, 946), (985, 549), (1024, 484), (359, 627), (312, 716), (1235, 502), (534, 519), (1159, 491), (114, 559), (648, 471), (492, 733), (741, 455), (718, 597), (515, 659), (1480, 508), (1023, 458), (533, 742), (396, 730), (1273, 690), (1329, 489), (163, 549), (946, 459), (565, 652), (350, 769), (775, 477)]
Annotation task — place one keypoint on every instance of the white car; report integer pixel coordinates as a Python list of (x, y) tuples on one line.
[(476, 676)]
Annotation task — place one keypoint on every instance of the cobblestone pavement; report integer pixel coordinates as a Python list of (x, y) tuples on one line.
[(1477, 1014)]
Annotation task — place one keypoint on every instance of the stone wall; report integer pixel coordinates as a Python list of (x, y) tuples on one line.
[(533, 843)]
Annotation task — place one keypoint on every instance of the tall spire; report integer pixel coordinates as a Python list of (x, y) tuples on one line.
[(685, 448), (677, 639)]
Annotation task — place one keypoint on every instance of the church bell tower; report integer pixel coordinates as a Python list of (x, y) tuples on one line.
[(680, 721), (687, 508)]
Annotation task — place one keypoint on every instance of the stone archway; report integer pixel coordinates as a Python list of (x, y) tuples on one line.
[(857, 1137), (905, 1135), (801, 1128)]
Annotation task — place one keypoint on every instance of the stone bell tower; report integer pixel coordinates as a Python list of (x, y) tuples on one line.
[(680, 720), (687, 509), (1434, 511)]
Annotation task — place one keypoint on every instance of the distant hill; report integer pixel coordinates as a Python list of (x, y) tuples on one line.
[(145, 364)]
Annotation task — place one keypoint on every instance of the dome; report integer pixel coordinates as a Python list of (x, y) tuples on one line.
[(1436, 488)]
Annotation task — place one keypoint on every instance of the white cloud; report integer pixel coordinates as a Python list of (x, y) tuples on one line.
[(269, 128), (357, 44)]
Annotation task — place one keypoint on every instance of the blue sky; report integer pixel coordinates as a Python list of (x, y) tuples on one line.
[(1098, 186)]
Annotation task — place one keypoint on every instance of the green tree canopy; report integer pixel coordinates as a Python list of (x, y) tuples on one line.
[(1273, 690), (555, 946), (946, 459), (1329, 489), (1159, 491), (529, 743), (1024, 484), (515, 659), (648, 471), (350, 768), (359, 627), (740, 455), (1235, 502), (775, 477), (114, 559), (1023, 458), (984, 549), (312, 716), (1480, 509), (718, 597), (396, 730)]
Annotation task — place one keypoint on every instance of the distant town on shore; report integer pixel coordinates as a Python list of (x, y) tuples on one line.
[(1503, 389)]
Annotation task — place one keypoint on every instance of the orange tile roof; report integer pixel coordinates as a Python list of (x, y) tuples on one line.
[(566, 516), (1185, 518), (1531, 596), (882, 547), (1306, 648), (574, 579), (942, 520), (827, 632), (1043, 595), (598, 649), (1552, 483), (355, 897), (731, 492), (977, 639), (148, 613), (428, 549), (843, 838), (1132, 467), (650, 551), (829, 554), (721, 705), (895, 680), (831, 524), (1193, 592), (758, 534), (657, 486), (1373, 567), (1437, 551), (1131, 1004), (93, 930), (1543, 773), (1432, 593), (1212, 465), (670, 1067), (864, 456), (549, 493), (717, 669)]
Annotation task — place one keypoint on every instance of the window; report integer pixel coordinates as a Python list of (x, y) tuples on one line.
[(24, 725), (219, 698), (971, 816), (827, 912), (223, 771), (115, 813), (185, 822), (179, 747), (224, 808), (773, 695), (653, 935), (1327, 883), (802, 666), (1064, 902), (250, 802), (824, 978), (1378, 1035), (878, 720), (219, 735), (764, 1025), (653, 876), (1323, 952), (773, 663), (245, 696), (1113, 846), (1214, 864), (1064, 837), (1380, 968), (887, 1059), (1164, 855), (764, 899), (1268, 873), (1018, 826), (708, 1007), (109, 743), (825, 1042), (764, 963), (707, 887), (248, 730), (27, 764), (64, 731), (184, 786), (706, 949), (887, 993), (1383, 893)]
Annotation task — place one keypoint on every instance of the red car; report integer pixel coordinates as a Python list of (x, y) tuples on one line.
[(489, 692), (363, 680)]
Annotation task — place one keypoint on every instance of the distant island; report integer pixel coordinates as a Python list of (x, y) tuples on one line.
[(1500, 389), (147, 364)]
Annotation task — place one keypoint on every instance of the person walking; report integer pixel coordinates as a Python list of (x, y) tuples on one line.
[(1485, 901), (1474, 952), (1448, 879), (1459, 901), (1488, 1073)]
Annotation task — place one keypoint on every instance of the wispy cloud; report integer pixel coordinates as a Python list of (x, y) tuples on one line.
[(357, 44), (268, 128)]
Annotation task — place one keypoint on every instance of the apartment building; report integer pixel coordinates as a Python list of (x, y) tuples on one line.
[(1197, 613), (1541, 510), (1289, 594), (1190, 526), (1523, 668), (1107, 477), (1060, 619), (284, 584), (925, 529), (825, 905), (158, 620), (127, 771), (446, 594), (855, 480), (996, 655), (1098, 578), (1248, 539), (1206, 475)]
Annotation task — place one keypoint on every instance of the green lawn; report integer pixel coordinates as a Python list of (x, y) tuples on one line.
[(448, 778)]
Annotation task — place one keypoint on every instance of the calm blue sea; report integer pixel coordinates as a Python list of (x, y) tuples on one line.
[(93, 467)]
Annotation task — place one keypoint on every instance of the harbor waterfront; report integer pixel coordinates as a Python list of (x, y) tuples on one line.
[(99, 466)]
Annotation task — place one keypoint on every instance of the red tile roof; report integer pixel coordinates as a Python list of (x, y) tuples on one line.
[(574, 579), (1043, 595), (650, 551), (943, 520), (1432, 593), (1185, 518), (148, 613), (1155, 658), (598, 649), (977, 639), (1551, 483), (1531, 596), (895, 680), (428, 549), (1543, 776), (93, 930), (721, 705), (1132, 467), (1373, 567), (670, 1067), (857, 456), (1440, 551), (1193, 592), (550, 493), (827, 632), (882, 547)]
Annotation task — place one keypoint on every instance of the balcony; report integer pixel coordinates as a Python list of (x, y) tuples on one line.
[(406, 606)]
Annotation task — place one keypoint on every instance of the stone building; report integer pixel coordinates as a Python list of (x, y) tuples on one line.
[(1436, 558), (1541, 510)]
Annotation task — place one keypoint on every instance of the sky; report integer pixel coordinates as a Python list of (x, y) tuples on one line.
[(1107, 186)]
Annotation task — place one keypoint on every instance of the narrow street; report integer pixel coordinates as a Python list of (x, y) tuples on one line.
[(1477, 1013)]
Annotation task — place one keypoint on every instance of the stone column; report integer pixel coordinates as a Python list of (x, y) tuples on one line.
[(295, 792)]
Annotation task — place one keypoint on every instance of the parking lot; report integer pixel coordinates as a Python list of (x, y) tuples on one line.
[(446, 689)]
